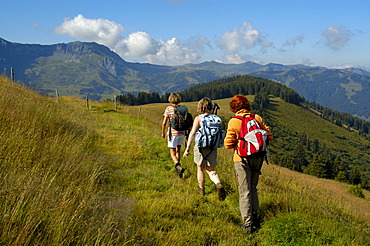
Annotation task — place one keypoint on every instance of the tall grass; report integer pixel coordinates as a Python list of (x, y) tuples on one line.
[(50, 170), (69, 177)]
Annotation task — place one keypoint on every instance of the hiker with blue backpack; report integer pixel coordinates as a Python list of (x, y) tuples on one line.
[(248, 136), (208, 137), (179, 121)]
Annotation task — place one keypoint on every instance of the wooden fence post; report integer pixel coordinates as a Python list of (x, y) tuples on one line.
[(87, 103), (12, 73), (115, 103), (57, 95)]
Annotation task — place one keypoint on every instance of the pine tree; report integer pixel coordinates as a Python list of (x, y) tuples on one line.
[(299, 158), (317, 167)]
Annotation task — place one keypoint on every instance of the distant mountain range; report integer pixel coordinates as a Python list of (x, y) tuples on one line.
[(89, 69)]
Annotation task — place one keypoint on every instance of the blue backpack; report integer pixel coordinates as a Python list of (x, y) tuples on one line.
[(210, 133)]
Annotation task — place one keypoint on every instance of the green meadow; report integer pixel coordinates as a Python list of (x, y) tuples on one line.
[(72, 176)]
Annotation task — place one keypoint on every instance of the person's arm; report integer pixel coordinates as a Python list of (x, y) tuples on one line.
[(196, 126), (164, 124), (231, 138)]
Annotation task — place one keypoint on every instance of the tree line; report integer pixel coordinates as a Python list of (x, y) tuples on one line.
[(250, 85), (298, 152)]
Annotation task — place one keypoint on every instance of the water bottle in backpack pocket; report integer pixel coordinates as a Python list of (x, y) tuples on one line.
[(210, 133)]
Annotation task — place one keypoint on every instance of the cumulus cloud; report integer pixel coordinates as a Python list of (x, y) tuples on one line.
[(173, 52), (337, 36), (243, 37), (170, 52), (198, 42), (102, 31), (233, 59), (138, 45), (230, 41), (250, 36)]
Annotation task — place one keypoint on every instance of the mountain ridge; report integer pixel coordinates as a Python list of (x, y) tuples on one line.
[(90, 69)]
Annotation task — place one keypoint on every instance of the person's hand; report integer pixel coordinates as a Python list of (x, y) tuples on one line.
[(163, 135), (186, 153)]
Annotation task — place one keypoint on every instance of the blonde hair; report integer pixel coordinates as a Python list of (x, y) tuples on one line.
[(174, 98), (205, 105)]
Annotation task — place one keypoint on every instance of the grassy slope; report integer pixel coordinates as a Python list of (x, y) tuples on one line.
[(50, 170), (352, 148), (168, 211), (129, 195), (302, 120)]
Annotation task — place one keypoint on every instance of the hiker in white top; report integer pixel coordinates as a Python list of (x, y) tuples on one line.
[(175, 137), (205, 157)]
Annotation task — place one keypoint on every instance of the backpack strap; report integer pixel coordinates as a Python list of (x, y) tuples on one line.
[(169, 122), (203, 124), (238, 117), (245, 115)]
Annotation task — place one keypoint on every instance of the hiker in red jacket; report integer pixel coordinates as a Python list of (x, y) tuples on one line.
[(247, 170)]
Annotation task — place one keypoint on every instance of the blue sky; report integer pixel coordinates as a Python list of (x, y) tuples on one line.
[(173, 32)]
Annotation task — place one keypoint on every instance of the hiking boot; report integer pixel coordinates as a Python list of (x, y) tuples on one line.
[(247, 229), (202, 191), (221, 192), (179, 170)]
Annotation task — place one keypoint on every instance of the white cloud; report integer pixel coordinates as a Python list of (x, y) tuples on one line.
[(141, 47), (173, 52), (170, 52), (234, 59), (245, 36), (230, 41), (198, 42), (250, 36), (102, 31), (337, 36), (138, 45)]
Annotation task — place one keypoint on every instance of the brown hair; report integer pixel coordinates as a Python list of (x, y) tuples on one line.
[(205, 105), (239, 102), (174, 98)]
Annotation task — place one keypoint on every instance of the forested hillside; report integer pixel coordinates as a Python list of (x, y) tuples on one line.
[(338, 89), (333, 145)]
